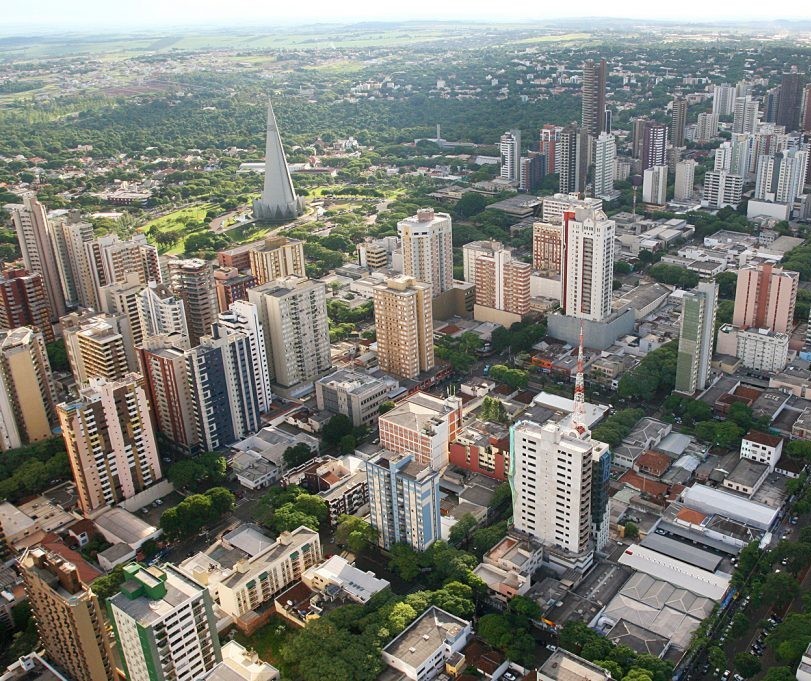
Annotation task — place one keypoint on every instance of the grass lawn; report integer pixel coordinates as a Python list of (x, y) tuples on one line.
[(176, 222), (242, 234), (268, 640)]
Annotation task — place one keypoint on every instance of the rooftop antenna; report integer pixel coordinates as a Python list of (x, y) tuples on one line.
[(579, 413)]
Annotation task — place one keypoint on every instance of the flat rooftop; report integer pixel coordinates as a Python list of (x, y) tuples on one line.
[(428, 633)]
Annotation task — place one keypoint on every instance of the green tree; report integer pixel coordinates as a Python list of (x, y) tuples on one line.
[(716, 657), (386, 406), (515, 378), (631, 530), (471, 203), (493, 409), (297, 455), (347, 444), (638, 674), (58, 356), (747, 665), (727, 281), (404, 561), (780, 589), (334, 429), (355, 533), (462, 529), (108, 585), (779, 674)]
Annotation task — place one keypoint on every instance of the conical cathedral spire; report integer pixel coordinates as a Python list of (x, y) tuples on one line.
[(279, 201)]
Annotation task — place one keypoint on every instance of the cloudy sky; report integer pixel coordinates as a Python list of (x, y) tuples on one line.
[(123, 14)]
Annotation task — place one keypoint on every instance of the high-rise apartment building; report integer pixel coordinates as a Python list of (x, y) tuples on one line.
[(68, 615), (683, 189), (276, 258), (550, 137), (746, 114), (427, 240), (27, 383), (556, 205), (293, 315), (721, 189), (806, 109), (404, 326), (723, 99), (509, 147), (110, 441), (24, 302), (403, 500), (765, 297), (604, 156), (164, 624), (706, 127), (588, 264), (97, 349), (593, 114), (122, 299), (70, 234), (110, 259), (547, 248), (164, 366), (532, 171), (569, 160), (781, 178), (502, 283), (551, 477), (678, 121), (192, 281), (696, 337), (231, 285), (422, 425), (638, 136), (243, 317), (790, 100), (654, 185), (33, 235), (654, 145), (160, 311)]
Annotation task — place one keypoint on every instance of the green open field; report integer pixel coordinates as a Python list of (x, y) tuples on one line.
[(176, 222)]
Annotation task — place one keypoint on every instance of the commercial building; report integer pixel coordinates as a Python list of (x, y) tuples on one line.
[(164, 625), (678, 121), (502, 283), (33, 235), (588, 265), (70, 234), (293, 315), (405, 326), (762, 447), (509, 147), (352, 393), (422, 425), (161, 312), (685, 180), (551, 478), (654, 185), (696, 334), (765, 297), (192, 281), (420, 652), (403, 500), (231, 285), (278, 257), (279, 201), (428, 249), (246, 569), (68, 616), (24, 302), (110, 441), (27, 385)]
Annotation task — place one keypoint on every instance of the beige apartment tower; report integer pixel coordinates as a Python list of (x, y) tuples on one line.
[(405, 326), (192, 281), (70, 234), (765, 297), (547, 248), (68, 616), (278, 257), (31, 225), (110, 441), (428, 248), (25, 374), (502, 283), (99, 351)]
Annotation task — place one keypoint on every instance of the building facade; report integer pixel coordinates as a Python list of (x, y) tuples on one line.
[(24, 302), (428, 248), (192, 281), (696, 338), (353, 394), (278, 257), (765, 298), (683, 189), (502, 283)]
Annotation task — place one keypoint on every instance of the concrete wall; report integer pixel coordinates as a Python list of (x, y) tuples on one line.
[(491, 314), (596, 335), (150, 495)]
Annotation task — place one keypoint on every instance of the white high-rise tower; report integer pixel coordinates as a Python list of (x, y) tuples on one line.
[(604, 156)]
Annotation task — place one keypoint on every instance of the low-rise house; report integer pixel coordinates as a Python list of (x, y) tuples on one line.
[(339, 579)]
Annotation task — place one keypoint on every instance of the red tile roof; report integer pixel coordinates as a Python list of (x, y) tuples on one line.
[(763, 438)]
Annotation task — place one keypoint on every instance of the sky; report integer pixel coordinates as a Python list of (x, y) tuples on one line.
[(160, 14)]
